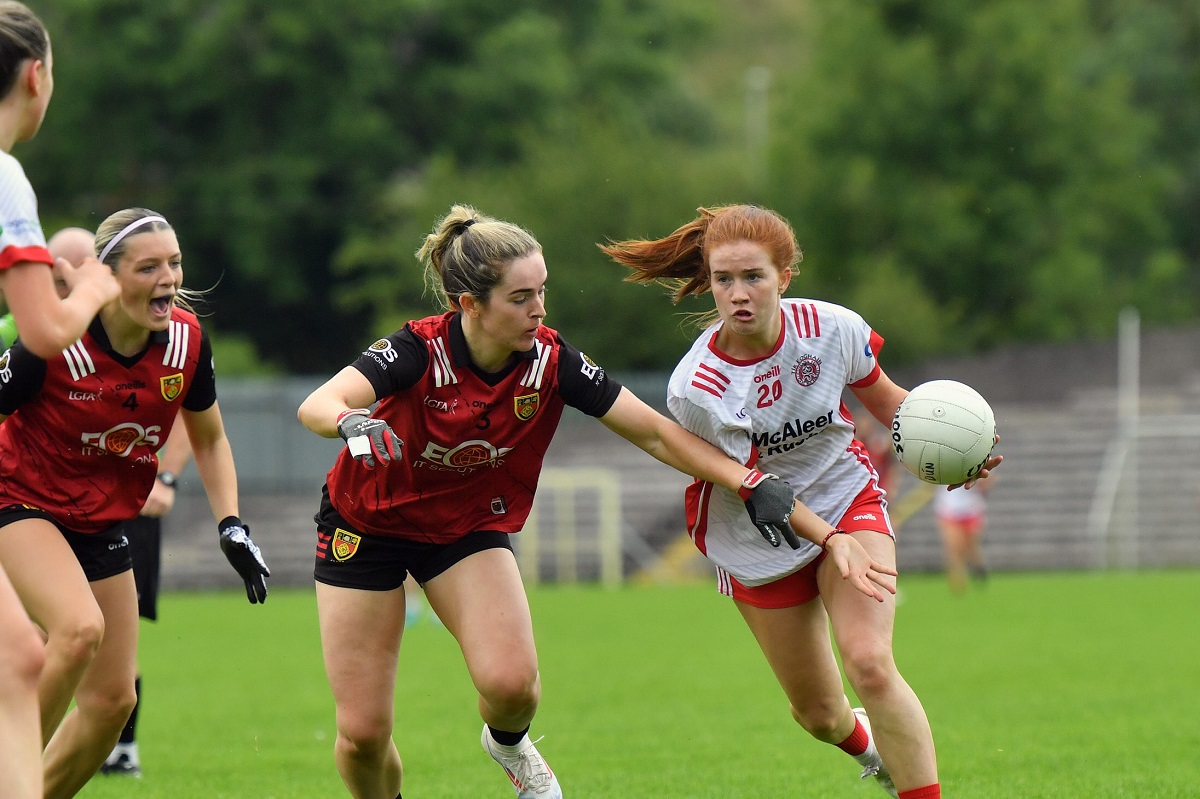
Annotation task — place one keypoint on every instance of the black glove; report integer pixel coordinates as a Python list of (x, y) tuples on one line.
[(244, 555), (769, 502), (370, 441)]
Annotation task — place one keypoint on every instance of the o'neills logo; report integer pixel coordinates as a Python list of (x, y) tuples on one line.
[(344, 544), (525, 407), (774, 372)]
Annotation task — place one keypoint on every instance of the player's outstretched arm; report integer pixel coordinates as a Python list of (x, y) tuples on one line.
[(339, 407), (214, 463), (855, 565), (48, 324)]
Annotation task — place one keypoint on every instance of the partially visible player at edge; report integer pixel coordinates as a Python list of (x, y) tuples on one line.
[(436, 479), (78, 445), (26, 84), (765, 384)]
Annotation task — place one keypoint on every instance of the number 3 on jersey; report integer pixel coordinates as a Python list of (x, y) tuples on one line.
[(768, 393)]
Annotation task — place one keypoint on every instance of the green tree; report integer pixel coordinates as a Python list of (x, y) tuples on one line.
[(267, 132), (986, 151)]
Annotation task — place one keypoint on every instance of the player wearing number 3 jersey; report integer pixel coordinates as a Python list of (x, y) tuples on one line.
[(764, 383), (435, 479)]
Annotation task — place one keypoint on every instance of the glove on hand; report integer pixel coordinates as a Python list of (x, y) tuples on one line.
[(769, 502), (370, 441), (244, 555)]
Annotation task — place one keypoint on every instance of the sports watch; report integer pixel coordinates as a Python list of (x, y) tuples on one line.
[(168, 479)]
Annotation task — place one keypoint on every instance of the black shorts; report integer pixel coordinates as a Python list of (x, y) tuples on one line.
[(349, 558), (145, 547), (102, 555)]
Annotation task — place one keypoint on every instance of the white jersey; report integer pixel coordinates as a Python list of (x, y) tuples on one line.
[(782, 414), (959, 503), (21, 237)]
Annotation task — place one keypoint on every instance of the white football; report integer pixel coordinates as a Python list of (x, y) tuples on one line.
[(943, 432)]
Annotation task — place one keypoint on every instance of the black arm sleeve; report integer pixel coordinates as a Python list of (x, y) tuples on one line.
[(582, 383), (395, 363), (202, 393), (21, 376)]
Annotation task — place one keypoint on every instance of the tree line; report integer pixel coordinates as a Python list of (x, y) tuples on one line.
[(962, 174)]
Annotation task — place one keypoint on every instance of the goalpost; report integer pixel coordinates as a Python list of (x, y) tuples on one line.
[(1146, 495), (574, 528)]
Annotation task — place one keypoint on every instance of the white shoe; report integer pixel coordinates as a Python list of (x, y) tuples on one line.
[(875, 768), (525, 766)]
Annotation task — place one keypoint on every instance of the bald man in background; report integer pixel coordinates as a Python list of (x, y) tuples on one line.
[(72, 244)]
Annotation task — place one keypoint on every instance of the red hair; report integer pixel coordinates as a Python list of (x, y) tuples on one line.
[(680, 260)]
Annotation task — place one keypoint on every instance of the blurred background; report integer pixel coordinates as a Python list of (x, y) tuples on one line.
[(1007, 190)]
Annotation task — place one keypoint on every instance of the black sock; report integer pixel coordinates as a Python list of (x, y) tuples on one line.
[(507, 738), (128, 735)]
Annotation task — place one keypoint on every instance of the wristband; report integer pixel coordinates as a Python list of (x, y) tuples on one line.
[(230, 521), (348, 412), (750, 482), (832, 533)]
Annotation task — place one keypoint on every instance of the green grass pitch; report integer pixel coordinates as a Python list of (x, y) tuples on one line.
[(1046, 685)]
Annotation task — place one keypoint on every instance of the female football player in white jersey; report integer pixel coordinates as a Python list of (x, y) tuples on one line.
[(78, 444), (764, 383), (26, 83), (437, 477)]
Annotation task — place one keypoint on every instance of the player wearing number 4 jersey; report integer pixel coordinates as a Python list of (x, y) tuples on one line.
[(77, 458), (435, 479), (765, 384)]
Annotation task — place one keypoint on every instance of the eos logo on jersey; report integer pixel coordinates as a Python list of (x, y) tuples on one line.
[(793, 434), (5, 371), (465, 457), (588, 368), (122, 439), (382, 351)]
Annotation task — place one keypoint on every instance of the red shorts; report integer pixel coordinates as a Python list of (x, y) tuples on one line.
[(868, 511), (971, 525)]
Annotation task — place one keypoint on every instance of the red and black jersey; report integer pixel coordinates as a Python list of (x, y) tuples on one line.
[(473, 441), (83, 428)]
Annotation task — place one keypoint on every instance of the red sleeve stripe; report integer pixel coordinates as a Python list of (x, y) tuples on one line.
[(717, 377), (18, 255), (808, 324)]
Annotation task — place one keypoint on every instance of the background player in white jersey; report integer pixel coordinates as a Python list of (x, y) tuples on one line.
[(961, 518), (765, 384), (436, 478)]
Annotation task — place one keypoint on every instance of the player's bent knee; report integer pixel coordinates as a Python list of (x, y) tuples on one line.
[(21, 659), (365, 735), (819, 718), (110, 705), (80, 638), (870, 671), (511, 690)]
